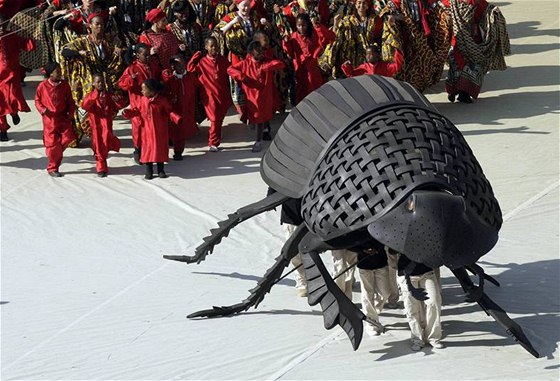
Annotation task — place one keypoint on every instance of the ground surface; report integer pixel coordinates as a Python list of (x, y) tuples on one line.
[(86, 294)]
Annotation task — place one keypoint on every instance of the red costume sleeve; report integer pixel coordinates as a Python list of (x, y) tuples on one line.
[(39, 104), (90, 101), (236, 71), (273, 65), (392, 68), (126, 82), (192, 65)]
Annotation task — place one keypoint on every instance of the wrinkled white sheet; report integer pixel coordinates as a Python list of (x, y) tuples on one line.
[(86, 294)]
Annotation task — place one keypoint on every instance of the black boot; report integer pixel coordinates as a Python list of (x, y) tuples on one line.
[(451, 97), (161, 173), (136, 155), (16, 119), (4, 136), (178, 155), (149, 171), (464, 97)]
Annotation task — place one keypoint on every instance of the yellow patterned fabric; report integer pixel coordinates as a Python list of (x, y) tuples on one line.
[(193, 43), (236, 38), (350, 44), (222, 9), (79, 71), (207, 13), (424, 56)]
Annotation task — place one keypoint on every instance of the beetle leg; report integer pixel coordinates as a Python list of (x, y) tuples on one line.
[(289, 250)]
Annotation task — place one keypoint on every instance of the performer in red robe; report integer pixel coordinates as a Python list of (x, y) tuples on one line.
[(102, 106), (10, 77), (215, 94), (54, 102), (180, 87), (304, 49), (373, 65), (141, 69), (155, 111), (255, 73)]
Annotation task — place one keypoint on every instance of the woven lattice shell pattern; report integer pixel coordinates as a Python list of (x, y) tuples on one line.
[(377, 161)]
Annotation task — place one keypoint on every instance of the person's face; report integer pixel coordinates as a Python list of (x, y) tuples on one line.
[(182, 17), (244, 8), (372, 56), (97, 25), (178, 66), (211, 48), (98, 83), (361, 6), (87, 4), (161, 24), (147, 92), (301, 26), (263, 40), (257, 54), (143, 56), (56, 75)]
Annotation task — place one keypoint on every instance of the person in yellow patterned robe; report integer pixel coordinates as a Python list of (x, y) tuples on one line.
[(422, 34), (88, 55), (354, 33)]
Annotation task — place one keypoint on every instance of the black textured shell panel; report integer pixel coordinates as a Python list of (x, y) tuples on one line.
[(357, 147)]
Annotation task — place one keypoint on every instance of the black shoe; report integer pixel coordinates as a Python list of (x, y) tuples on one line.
[(162, 175), (4, 136), (136, 155), (149, 172), (55, 174), (464, 97), (451, 97), (16, 119), (101, 174), (266, 136), (177, 157)]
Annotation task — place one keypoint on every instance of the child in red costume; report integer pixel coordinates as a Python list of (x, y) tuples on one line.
[(255, 73), (180, 86), (373, 65), (155, 112), (141, 69), (10, 78), (215, 94), (102, 106), (304, 49), (54, 102)]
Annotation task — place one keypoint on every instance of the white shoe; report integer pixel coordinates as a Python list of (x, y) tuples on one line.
[(302, 291), (415, 347), (437, 344), (214, 149), (301, 286), (372, 331)]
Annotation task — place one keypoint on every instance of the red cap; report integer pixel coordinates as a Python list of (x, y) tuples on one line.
[(155, 15), (239, 1)]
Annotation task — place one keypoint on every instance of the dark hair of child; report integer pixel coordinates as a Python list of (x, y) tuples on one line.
[(253, 45), (49, 68), (154, 85), (133, 50)]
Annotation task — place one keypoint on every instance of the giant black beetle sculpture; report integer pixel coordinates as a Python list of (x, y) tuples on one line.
[(371, 159)]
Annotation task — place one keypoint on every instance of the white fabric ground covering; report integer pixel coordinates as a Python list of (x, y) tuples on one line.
[(86, 294)]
